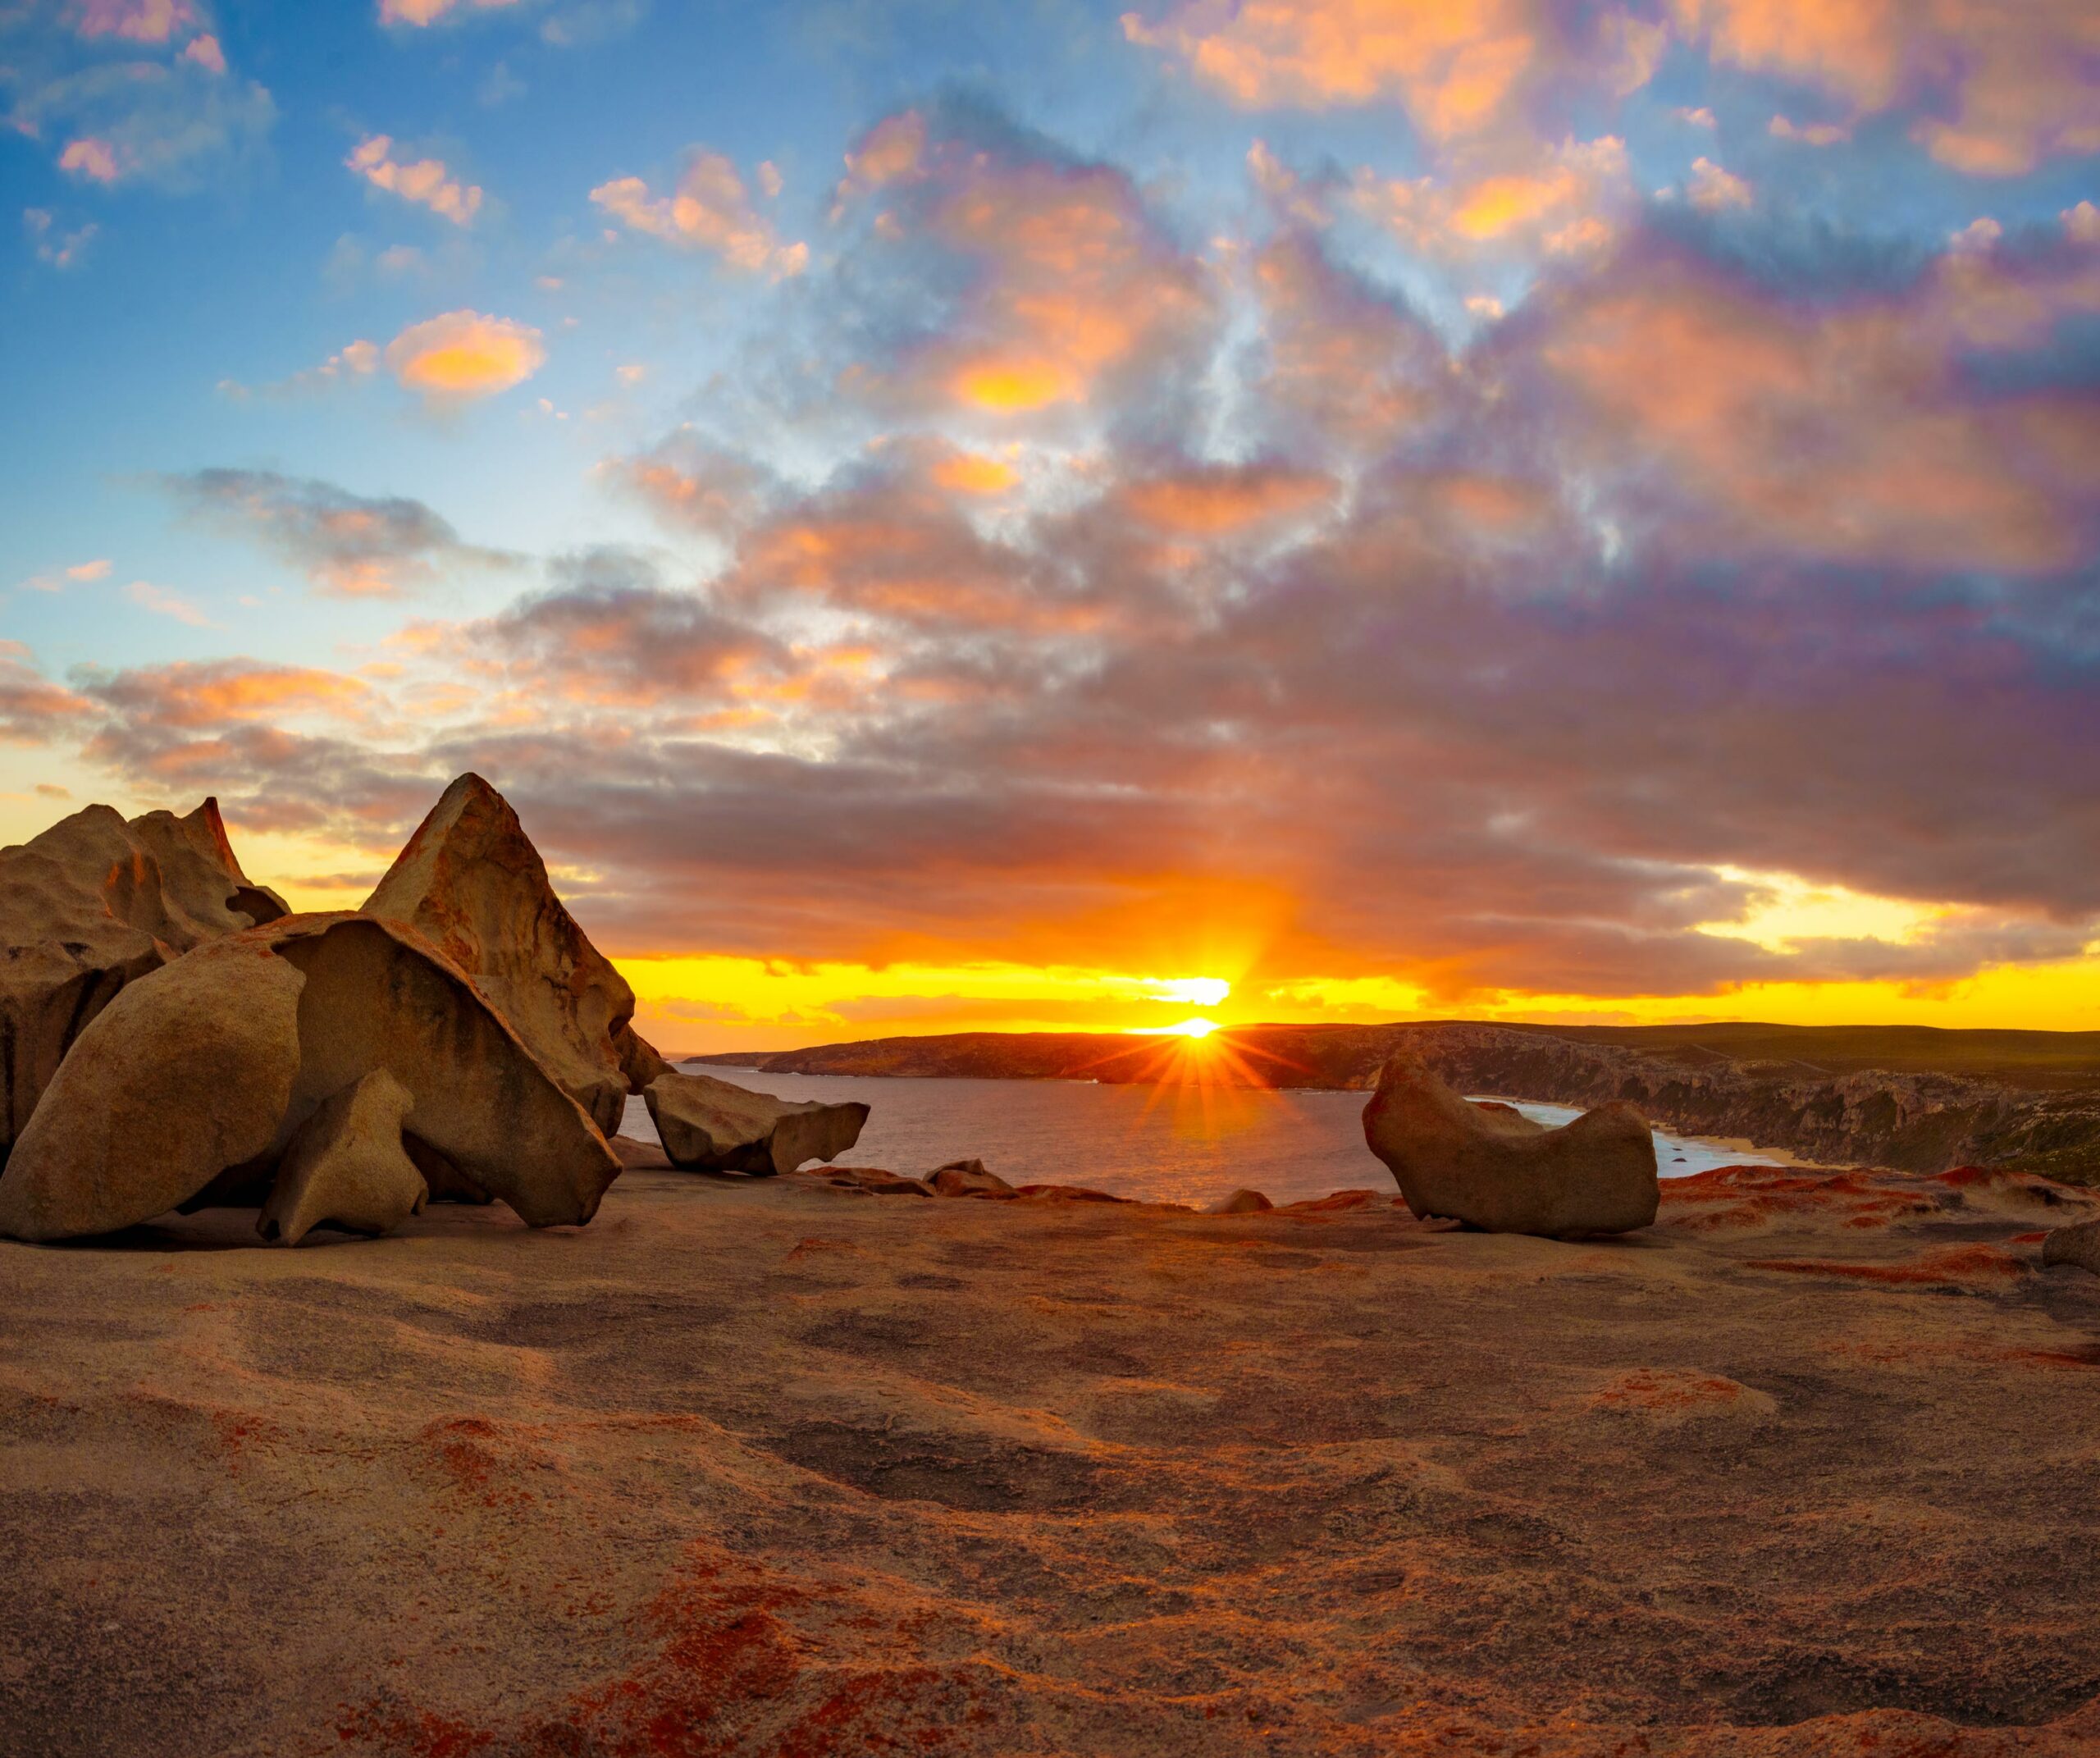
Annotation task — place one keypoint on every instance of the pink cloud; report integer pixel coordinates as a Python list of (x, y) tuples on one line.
[(94, 159), (134, 20), (425, 181)]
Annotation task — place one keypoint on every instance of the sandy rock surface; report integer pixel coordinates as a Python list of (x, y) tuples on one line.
[(1810, 1468)]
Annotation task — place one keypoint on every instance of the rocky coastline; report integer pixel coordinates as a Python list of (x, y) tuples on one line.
[(1916, 1119)]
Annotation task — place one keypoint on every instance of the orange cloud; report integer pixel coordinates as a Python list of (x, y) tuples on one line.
[(1454, 64), (2000, 87), (1073, 285), (425, 180), (1222, 503), (211, 693), (427, 12), (463, 356), (206, 54), (711, 210), (1844, 429), (1563, 200)]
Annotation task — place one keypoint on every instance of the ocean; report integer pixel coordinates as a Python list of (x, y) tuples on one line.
[(1189, 1144)]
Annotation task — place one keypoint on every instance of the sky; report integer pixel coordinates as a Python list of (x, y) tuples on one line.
[(953, 517)]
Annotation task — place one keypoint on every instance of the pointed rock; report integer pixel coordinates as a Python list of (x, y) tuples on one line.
[(470, 881), (1490, 1166), (219, 1060), (346, 1167), (708, 1126), (95, 903)]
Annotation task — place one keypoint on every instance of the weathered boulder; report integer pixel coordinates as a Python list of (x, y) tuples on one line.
[(967, 1178), (92, 904), (2078, 1245), (204, 1072), (1242, 1203), (470, 881), (186, 1072), (708, 1126), (346, 1167), (1494, 1168)]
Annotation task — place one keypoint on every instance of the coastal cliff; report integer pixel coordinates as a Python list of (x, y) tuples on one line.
[(1918, 1100)]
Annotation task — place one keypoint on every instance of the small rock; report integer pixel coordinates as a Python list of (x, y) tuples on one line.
[(1242, 1203), (345, 1167), (967, 1178)]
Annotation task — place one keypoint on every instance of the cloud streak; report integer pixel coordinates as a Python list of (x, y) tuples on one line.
[(343, 543)]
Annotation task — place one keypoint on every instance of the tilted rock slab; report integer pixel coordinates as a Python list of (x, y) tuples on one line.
[(708, 1126), (346, 1167), (1494, 1168), (206, 1071), (470, 880), (95, 903)]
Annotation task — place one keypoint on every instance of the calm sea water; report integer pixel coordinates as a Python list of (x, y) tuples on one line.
[(1165, 1144)]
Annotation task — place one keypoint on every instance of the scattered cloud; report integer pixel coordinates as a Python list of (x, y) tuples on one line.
[(1809, 134), (425, 180), (1711, 187), (420, 13), (147, 596), (343, 543), (711, 210), (32, 710), (55, 246), (463, 356)]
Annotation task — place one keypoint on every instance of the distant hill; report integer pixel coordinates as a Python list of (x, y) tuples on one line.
[(1350, 1056), (1918, 1097)]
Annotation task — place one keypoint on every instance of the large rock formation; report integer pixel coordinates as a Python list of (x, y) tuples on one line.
[(203, 1074), (470, 880), (1494, 1168), (708, 1126), (95, 903)]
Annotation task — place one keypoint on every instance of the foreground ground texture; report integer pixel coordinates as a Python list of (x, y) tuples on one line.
[(773, 1468)]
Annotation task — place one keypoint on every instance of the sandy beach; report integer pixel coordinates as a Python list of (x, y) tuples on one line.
[(768, 1467)]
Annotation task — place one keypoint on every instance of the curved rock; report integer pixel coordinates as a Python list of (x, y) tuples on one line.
[(379, 996), (186, 1073), (470, 881), (95, 903), (708, 1126), (202, 1075), (346, 1167), (1494, 1168)]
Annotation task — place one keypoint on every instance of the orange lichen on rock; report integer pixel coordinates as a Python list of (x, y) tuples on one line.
[(1954, 1266)]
